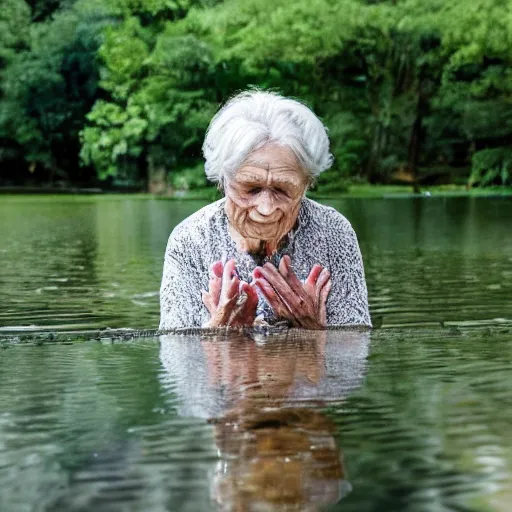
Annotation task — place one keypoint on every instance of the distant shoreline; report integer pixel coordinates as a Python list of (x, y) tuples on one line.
[(210, 194), (50, 190)]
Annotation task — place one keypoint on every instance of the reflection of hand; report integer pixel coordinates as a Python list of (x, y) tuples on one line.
[(304, 305), (230, 301), (245, 368)]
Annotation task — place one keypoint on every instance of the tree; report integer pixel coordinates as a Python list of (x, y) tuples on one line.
[(48, 86), (412, 90), (161, 99)]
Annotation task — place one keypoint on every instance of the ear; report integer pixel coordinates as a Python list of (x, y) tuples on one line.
[(310, 182)]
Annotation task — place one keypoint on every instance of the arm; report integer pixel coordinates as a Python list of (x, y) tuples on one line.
[(347, 303), (180, 291)]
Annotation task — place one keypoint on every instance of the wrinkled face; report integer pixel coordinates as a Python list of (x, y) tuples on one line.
[(263, 197)]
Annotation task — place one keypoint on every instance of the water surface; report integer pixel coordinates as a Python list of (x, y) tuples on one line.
[(87, 262), (413, 416)]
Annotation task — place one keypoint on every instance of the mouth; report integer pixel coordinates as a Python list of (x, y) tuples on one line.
[(265, 221)]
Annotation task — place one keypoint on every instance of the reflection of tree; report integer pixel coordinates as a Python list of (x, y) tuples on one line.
[(65, 416), (54, 418), (48, 263), (132, 235), (277, 446), (430, 425), (451, 257)]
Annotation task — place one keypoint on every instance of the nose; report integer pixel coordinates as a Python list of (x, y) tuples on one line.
[(265, 204)]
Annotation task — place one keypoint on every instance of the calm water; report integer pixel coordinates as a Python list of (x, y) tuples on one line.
[(414, 416)]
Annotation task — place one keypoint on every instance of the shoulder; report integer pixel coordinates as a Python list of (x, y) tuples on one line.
[(196, 227), (325, 218), (325, 225)]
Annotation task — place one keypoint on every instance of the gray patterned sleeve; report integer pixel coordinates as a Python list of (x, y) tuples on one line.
[(348, 300), (180, 292)]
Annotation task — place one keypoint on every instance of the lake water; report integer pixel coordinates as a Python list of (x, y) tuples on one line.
[(414, 416)]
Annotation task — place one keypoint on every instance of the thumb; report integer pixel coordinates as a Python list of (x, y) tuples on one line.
[(207, 300)]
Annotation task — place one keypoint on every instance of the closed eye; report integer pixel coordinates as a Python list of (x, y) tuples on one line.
[(255, 190), (281, 191)]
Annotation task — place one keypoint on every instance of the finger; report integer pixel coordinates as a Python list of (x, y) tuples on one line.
[(325, 291), (216, 269), (230, 281), (283, 267), (322, 280), (286, 270), (280, 309), (214, 289), (275, 279), (252, 296), (313, 275), (226, 309), (246, 312), (207, 300), (323, 302)]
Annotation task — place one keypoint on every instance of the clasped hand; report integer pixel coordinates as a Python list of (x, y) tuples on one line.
[(233, 302)]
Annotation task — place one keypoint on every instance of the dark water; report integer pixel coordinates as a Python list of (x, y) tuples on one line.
[(86, 263), (414, 416)]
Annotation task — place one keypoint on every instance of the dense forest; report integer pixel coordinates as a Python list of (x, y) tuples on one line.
[(120, 92)]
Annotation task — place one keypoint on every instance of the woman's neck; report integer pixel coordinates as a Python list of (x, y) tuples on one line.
[(254, 245)]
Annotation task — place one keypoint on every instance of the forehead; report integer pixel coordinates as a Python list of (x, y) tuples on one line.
[(271, 163), (273, 156)]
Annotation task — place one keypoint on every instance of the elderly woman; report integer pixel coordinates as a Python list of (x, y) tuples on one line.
[(264, 253)]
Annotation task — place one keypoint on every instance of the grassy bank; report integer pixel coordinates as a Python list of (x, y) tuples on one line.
[(364, 191), (370, 191), (392, 191)]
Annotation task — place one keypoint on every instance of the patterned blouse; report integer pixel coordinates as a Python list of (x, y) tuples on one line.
[(321, 235)]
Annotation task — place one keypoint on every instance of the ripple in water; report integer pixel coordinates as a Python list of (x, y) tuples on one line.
[(392, 420), (412, 417)]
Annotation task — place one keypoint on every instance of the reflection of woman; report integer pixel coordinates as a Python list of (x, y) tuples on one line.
[(208, 374), (264, 251), (277, 457), (276, 450), (277, 446)]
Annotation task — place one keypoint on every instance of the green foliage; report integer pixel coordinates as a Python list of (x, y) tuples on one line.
[(159, 109), (123, 53), (491, 166), (131, 85), (113, 139), (192, 178), (47, 89), (14, 30), (330, 183)]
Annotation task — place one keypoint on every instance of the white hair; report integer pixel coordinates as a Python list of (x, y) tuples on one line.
[(252, 119)]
